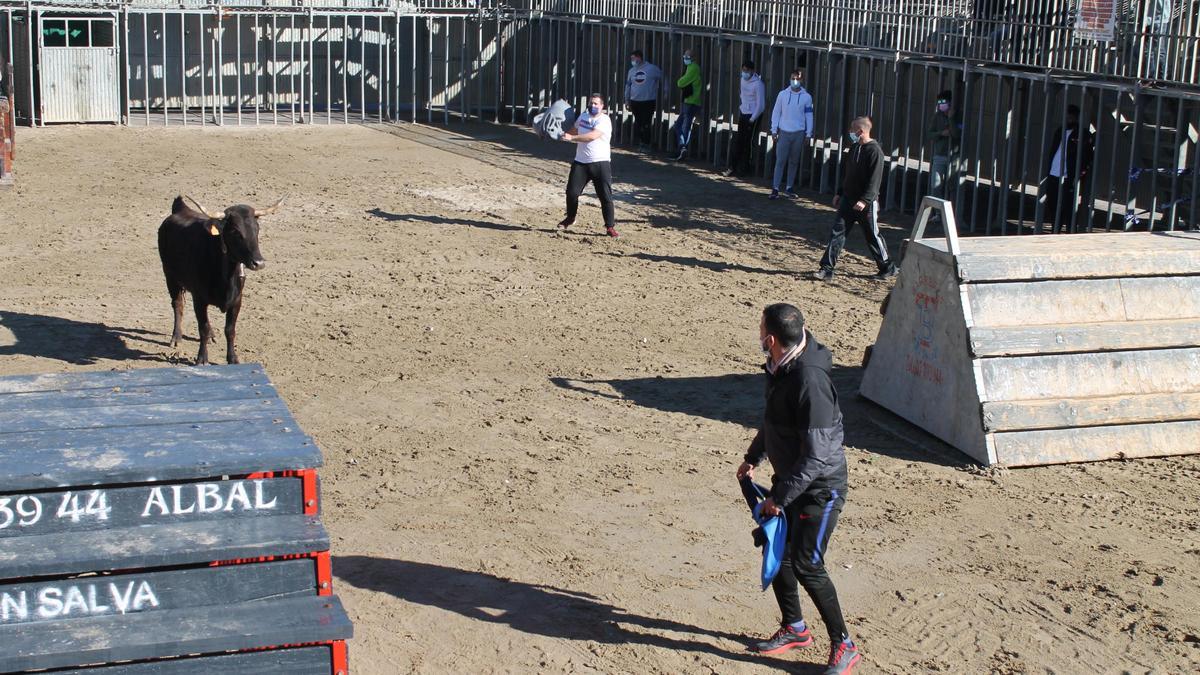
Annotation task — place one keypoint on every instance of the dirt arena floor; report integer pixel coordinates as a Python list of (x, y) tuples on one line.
[(530, 437)]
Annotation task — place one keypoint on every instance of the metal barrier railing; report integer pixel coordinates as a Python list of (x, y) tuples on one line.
[(1156, 40)]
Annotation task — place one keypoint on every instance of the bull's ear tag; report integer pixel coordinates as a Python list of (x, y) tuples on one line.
[(212, 229)]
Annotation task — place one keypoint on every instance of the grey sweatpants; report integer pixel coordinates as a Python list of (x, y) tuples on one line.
[(787, 156)]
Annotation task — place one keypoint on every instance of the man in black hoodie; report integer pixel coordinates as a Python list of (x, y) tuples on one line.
[(856, 202), (801, 435)]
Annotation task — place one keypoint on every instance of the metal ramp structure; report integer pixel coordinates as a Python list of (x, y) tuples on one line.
[(1044, 349)]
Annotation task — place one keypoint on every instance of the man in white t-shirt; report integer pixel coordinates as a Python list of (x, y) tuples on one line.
[(592, 135)]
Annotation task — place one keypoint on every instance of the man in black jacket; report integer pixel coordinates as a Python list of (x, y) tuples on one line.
[(856, 202), (1068, 166), (801, 435)]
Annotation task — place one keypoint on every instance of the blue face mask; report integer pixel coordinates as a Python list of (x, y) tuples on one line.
[(634, 62), (854, 138), (796, 84), (687, 61), (594, 110), (746, 76)]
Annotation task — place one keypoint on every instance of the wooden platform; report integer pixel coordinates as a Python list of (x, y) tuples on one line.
[(162, 521), (1046, 349)]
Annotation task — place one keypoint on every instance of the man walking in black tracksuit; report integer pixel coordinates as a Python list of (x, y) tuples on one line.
[(801, 435), (856, 202)]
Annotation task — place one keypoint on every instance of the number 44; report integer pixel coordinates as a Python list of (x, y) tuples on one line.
[(97, 505)]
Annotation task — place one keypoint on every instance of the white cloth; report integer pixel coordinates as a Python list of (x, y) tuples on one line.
[(1058, 165), (793, 112), (600, 149), (643, 82), (754, 97), (553, 121)]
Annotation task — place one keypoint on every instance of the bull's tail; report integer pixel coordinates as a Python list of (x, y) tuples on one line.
[(179, 205)]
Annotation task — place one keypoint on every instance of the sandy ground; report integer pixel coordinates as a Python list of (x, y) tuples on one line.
[(530, 437)]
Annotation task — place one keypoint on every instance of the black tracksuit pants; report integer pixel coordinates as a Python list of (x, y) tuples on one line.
[(643, 117), (846, 218), (811, 520), (739, 156), (598, 174)]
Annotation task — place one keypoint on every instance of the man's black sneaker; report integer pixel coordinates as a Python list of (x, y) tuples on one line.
[(681, 156), (842, 659), (728, 173), (823, 275), (784, 639), (888, 273), (791, 194)]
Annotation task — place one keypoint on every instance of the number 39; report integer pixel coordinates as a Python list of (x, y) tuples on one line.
[(28, 511)]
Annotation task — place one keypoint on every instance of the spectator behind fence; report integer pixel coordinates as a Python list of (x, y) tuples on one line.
[(944, 134), (642, 86), (691, 84), (1156, 26), (1069, 166), (857, 202), (753, 101), (592, 135), (791, 127)]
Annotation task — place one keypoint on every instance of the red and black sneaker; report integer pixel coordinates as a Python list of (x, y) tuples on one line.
[(842, 659), (784, 639), (612, 232)]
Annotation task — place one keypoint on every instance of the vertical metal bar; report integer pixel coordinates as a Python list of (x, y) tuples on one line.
[(345, 69), (34, 117), (362, 67), (165, 74), (146, 64), (328, 69), (203, 92), (183, 66), (237, 70), (446, 73), (380, 69), (1154, 160), (312, 67), (414, 70)]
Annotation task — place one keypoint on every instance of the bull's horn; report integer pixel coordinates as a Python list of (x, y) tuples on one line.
[(259, 213), (203, 210)]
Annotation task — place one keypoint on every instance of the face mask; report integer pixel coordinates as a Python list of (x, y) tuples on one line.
[(746, 76), (796, 84), (765, 349), (634, 62), (854, 137), (594, 110), (943, 107), (687, 60)]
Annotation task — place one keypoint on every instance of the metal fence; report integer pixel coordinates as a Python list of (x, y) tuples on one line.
[(1127, 39), (275, 66)]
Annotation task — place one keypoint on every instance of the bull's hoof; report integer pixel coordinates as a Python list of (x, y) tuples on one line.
[(232, 360)]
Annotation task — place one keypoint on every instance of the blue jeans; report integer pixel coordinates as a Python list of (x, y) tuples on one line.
[(939, 176), (683, 125)]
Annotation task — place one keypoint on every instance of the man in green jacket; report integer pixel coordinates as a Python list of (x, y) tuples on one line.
[(691, 86)]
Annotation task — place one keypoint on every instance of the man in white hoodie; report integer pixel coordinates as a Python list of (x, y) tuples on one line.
[(753, 103), (643, 84), (792, 128)]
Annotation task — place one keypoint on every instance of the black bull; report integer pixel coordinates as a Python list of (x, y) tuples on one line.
[(205, 254)]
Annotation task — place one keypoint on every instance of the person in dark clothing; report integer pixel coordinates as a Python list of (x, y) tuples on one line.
[(944, 134), (1069, 166), (801, 436), (856, 202)]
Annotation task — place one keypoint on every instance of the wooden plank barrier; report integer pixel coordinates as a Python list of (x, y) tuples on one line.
[(1044, 349), (162, 521)]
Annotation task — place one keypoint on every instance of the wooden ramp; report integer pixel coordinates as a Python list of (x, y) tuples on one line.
[(1044, 349), (162, 521)]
